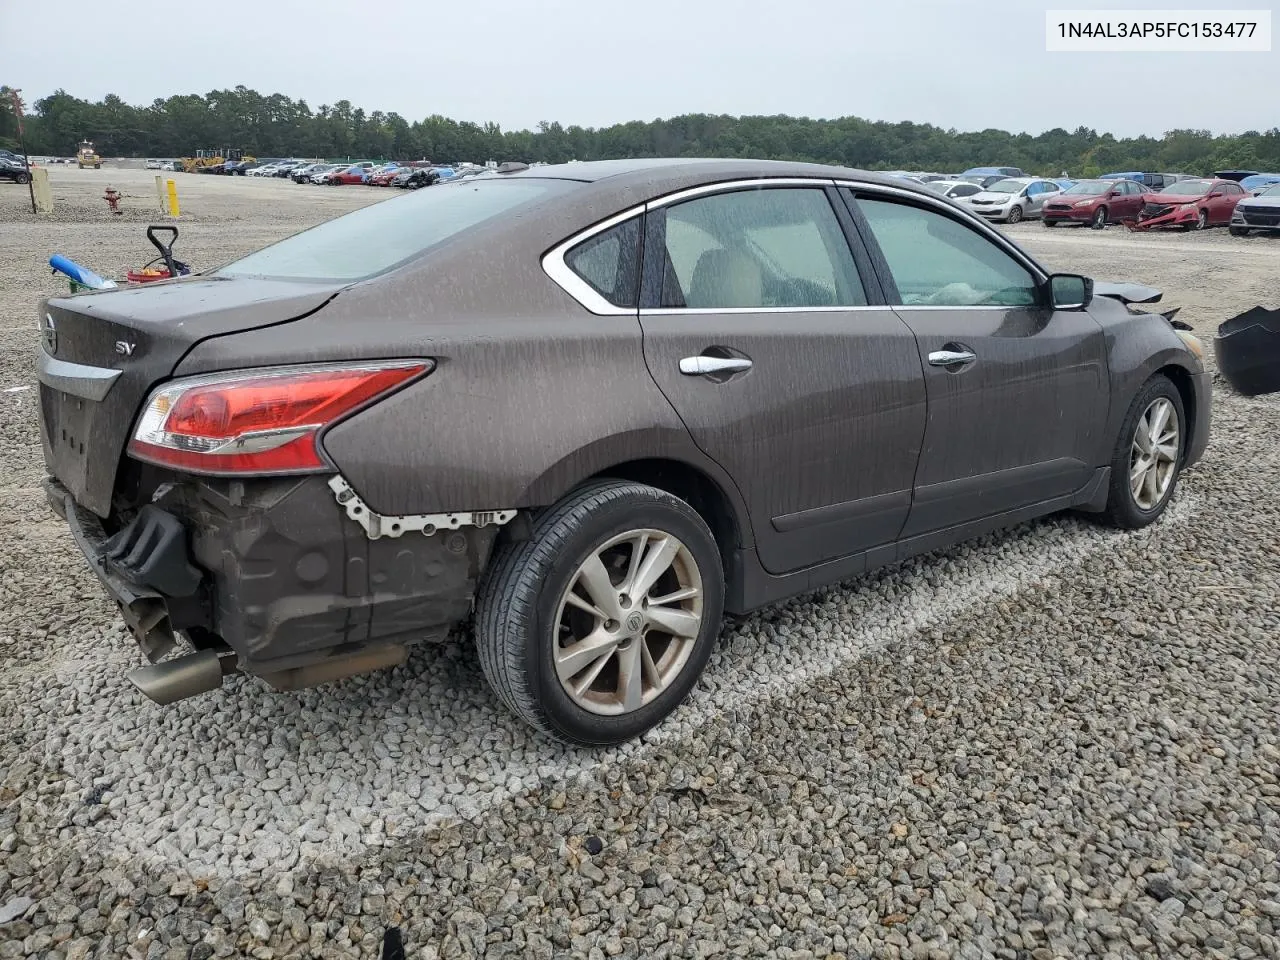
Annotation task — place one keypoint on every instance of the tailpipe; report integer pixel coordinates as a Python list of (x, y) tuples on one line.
[(174, 680)]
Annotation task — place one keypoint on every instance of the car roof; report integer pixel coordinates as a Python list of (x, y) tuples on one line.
[(708, 170)]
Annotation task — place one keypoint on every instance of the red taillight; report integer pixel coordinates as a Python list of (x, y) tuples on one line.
[(260, 421)]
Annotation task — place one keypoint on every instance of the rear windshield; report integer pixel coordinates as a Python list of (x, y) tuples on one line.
[(385, 235)]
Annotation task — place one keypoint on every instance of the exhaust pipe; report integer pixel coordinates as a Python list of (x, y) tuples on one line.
[(174, 680)]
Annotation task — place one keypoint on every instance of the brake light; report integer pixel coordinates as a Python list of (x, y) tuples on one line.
[(259, 421)]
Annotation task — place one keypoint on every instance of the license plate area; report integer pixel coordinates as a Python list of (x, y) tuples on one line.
[(68, 425)]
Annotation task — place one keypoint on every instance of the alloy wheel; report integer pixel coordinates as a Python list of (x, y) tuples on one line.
[(1153, 456), (628, 621), (1100, 217), (1015, 213), (1202, 220)]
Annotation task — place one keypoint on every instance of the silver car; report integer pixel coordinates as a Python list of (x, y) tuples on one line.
[(1259, 212), (1013, 199)]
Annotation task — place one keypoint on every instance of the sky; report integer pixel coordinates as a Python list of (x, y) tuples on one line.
[(967, 66)]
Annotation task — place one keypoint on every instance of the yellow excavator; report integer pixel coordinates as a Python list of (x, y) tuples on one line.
[(86, 156)]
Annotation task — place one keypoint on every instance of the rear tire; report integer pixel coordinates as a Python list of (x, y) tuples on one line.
[(570, 583), (23, 178), (1159, 466)]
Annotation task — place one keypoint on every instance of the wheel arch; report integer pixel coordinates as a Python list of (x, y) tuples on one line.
[(1181, 378), (700, 483)]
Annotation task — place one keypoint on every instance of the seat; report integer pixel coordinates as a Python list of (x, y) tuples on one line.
[(726, 278)]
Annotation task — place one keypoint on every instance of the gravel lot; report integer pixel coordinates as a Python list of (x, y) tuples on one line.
[(1058, 742)]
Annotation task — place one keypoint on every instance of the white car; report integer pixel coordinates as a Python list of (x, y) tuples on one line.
[(1012, 199), (153, 165), (954, 189)]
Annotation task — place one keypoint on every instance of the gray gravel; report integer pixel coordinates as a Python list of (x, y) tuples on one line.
[(1057, 742)]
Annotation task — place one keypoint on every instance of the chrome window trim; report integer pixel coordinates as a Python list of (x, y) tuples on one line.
[(553, 263), (733, 186), (554, 266), (697, 311), (944, 208)]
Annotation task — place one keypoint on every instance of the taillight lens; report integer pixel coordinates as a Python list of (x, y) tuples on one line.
[(259, 421)]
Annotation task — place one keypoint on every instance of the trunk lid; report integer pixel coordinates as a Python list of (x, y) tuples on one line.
[(101, 353)]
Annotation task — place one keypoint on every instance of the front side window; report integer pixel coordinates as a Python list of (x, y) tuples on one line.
[(761, 248), (937, 261), (609, 263)]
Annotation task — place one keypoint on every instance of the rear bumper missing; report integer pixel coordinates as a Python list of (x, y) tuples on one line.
[(276, 576)]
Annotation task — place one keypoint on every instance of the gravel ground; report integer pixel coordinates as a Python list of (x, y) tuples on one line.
[(1058, 742)]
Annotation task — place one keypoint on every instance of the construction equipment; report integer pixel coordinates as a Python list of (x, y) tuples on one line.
[(86, 156), (212, 158)]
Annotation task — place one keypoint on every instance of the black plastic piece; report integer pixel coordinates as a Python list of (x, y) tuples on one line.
[(152, 550), (1248, 351)]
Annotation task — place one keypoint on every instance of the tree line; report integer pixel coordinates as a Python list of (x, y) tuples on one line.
[(276, 125)]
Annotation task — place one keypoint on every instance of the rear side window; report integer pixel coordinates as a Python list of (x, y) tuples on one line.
[(390, 233), (767, 248), (609, 262)]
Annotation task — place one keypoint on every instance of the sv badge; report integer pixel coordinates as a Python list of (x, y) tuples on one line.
[(125, 348)]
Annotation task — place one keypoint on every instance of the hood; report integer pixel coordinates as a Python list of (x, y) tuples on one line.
[(1260, 203), (1173, 199), (989, 196)]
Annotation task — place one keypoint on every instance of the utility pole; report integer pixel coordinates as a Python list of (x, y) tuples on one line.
[(22, 142)]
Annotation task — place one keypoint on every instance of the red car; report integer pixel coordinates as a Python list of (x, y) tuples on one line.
[(1095, 202), (383, 178), (352, 174), (1190, 205)]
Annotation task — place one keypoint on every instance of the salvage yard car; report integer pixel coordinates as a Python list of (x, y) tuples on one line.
[(1261, 212), (1191, 205), (1013, 199), (1095, 202), (596, 405)]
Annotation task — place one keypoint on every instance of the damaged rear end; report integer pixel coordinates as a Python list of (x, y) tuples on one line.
[(207, 506)]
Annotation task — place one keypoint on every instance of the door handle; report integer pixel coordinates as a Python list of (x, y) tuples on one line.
[(949, 358), (702, 365)]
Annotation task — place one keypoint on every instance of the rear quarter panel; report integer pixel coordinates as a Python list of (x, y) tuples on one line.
[(532, 393)]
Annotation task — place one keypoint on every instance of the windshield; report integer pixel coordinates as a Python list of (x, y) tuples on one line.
[(1273, 191), (1006, 186), (1188, 188), (383, 236), (938, 186), (1090, 187)]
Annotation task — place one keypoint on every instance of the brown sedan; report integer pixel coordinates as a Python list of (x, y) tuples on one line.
[(599, 405)]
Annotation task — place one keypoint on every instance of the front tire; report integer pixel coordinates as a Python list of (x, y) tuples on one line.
[(1238, 231), (1147, 460), (1049, 223), (1099, 218), (1015, 214), (1202, 220), (597, 626)]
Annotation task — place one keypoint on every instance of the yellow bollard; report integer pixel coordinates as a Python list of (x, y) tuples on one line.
[(173, 199)]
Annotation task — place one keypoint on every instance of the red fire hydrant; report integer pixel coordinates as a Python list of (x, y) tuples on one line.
[(112, 196)]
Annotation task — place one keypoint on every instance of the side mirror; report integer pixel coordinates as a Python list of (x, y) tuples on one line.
[(1216, 193), (1070, 291)]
